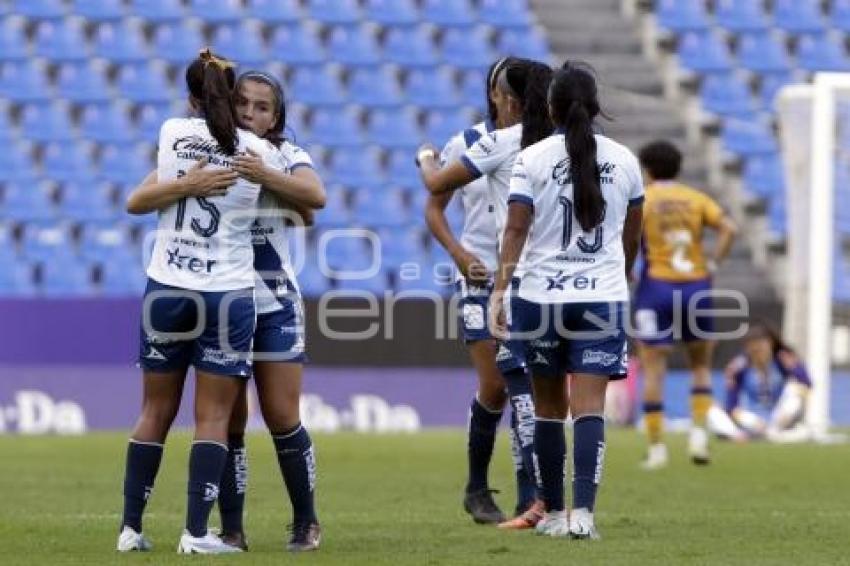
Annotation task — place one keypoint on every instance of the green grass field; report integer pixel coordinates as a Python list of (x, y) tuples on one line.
[(396, 500)]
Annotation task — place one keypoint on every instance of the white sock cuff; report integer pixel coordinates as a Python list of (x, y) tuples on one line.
[(486, 408), (545, 420), (219, 444), (589, 416), (143, 443), (289, 434)]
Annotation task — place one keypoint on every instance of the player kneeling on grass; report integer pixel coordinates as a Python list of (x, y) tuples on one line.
[(574, 223), (766, 390)]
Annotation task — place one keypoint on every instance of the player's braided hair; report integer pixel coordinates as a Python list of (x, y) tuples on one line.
[(275, 134), (530, 81), (210, 80), (574, 103)]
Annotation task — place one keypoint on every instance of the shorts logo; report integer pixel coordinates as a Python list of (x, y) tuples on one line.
[(503, 354), (599, 358), (473, 317), (154, 354), (544, 344), (219, 357), (540, 359)]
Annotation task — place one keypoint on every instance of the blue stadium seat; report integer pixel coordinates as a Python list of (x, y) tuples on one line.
[(13, 41), (158, 11), (777, 217), (401, 169), (763, 175), (430, 279), (45, 241), (432, 88), (44, 123), (87, 202), (336, 212), (375, 87), (822, 52), (681, 16), (100, 241), (83, 82), (40, 9), (27, 203), (448, 13), (107, 123), (410, 47), (472, 88), (392, 12), (798, 16), (16, 165), (529, 43), (125, 165), (748, 137), (762, 52), (357, 168), (741, 15), (217, 11), (350, 251), (467, 49), (24, 82), (6, 128), (275, 12), (60, 40), (400, 245), (505, 13), (441, 126), (378, 209), (317, 86), (122, 277), (143, 82), (99, 10), (242, 43), (16, 279), (297, 45), (839, 15), (771, 84), (704, 52), (150, 119), (312, 282), (336, 127), (66, 163), (334, 11), (121, 42), (354, 46), (727, 95), (63, 276), (177, 43), (395, 128)]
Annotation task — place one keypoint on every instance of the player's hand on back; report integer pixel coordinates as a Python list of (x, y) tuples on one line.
[(250, 167), (203, 182)]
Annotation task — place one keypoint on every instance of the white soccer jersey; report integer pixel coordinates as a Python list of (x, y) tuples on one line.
[(493, 157), (480, 233), (270, 234), (204, 244), (560, 262)]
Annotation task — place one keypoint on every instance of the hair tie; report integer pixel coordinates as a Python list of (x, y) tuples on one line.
[(207, 57)]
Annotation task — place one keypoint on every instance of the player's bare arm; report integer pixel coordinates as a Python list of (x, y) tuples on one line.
[(441, 179), (518, 224), (152, 195)]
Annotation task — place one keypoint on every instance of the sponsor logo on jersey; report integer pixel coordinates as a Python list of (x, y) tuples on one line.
[(260, 234), (197, 147), (189, 262), (473, 317), (599, 358)]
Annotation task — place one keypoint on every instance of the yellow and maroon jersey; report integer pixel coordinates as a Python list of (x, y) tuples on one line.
[(674, 218)]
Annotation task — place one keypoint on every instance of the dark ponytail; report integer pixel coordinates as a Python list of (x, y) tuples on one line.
[(536, 122), (574, 104), (211, 80)]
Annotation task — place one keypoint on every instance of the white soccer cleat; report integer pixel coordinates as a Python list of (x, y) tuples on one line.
[(656, 457), (210, 543), (131, 541), (555, 524), (698, 446), (582, 525)]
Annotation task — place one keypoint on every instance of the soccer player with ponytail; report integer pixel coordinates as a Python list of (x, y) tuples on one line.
[(199, 302), (517, 94), (572, 234)]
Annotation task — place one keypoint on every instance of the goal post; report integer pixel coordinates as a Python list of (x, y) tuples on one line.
[(815, 139)]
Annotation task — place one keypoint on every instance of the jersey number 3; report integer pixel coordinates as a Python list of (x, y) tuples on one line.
[(204, 231), (567, 232)]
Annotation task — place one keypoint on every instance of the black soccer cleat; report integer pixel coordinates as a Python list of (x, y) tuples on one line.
[(236, 539), (304, 537), (482, 507)]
